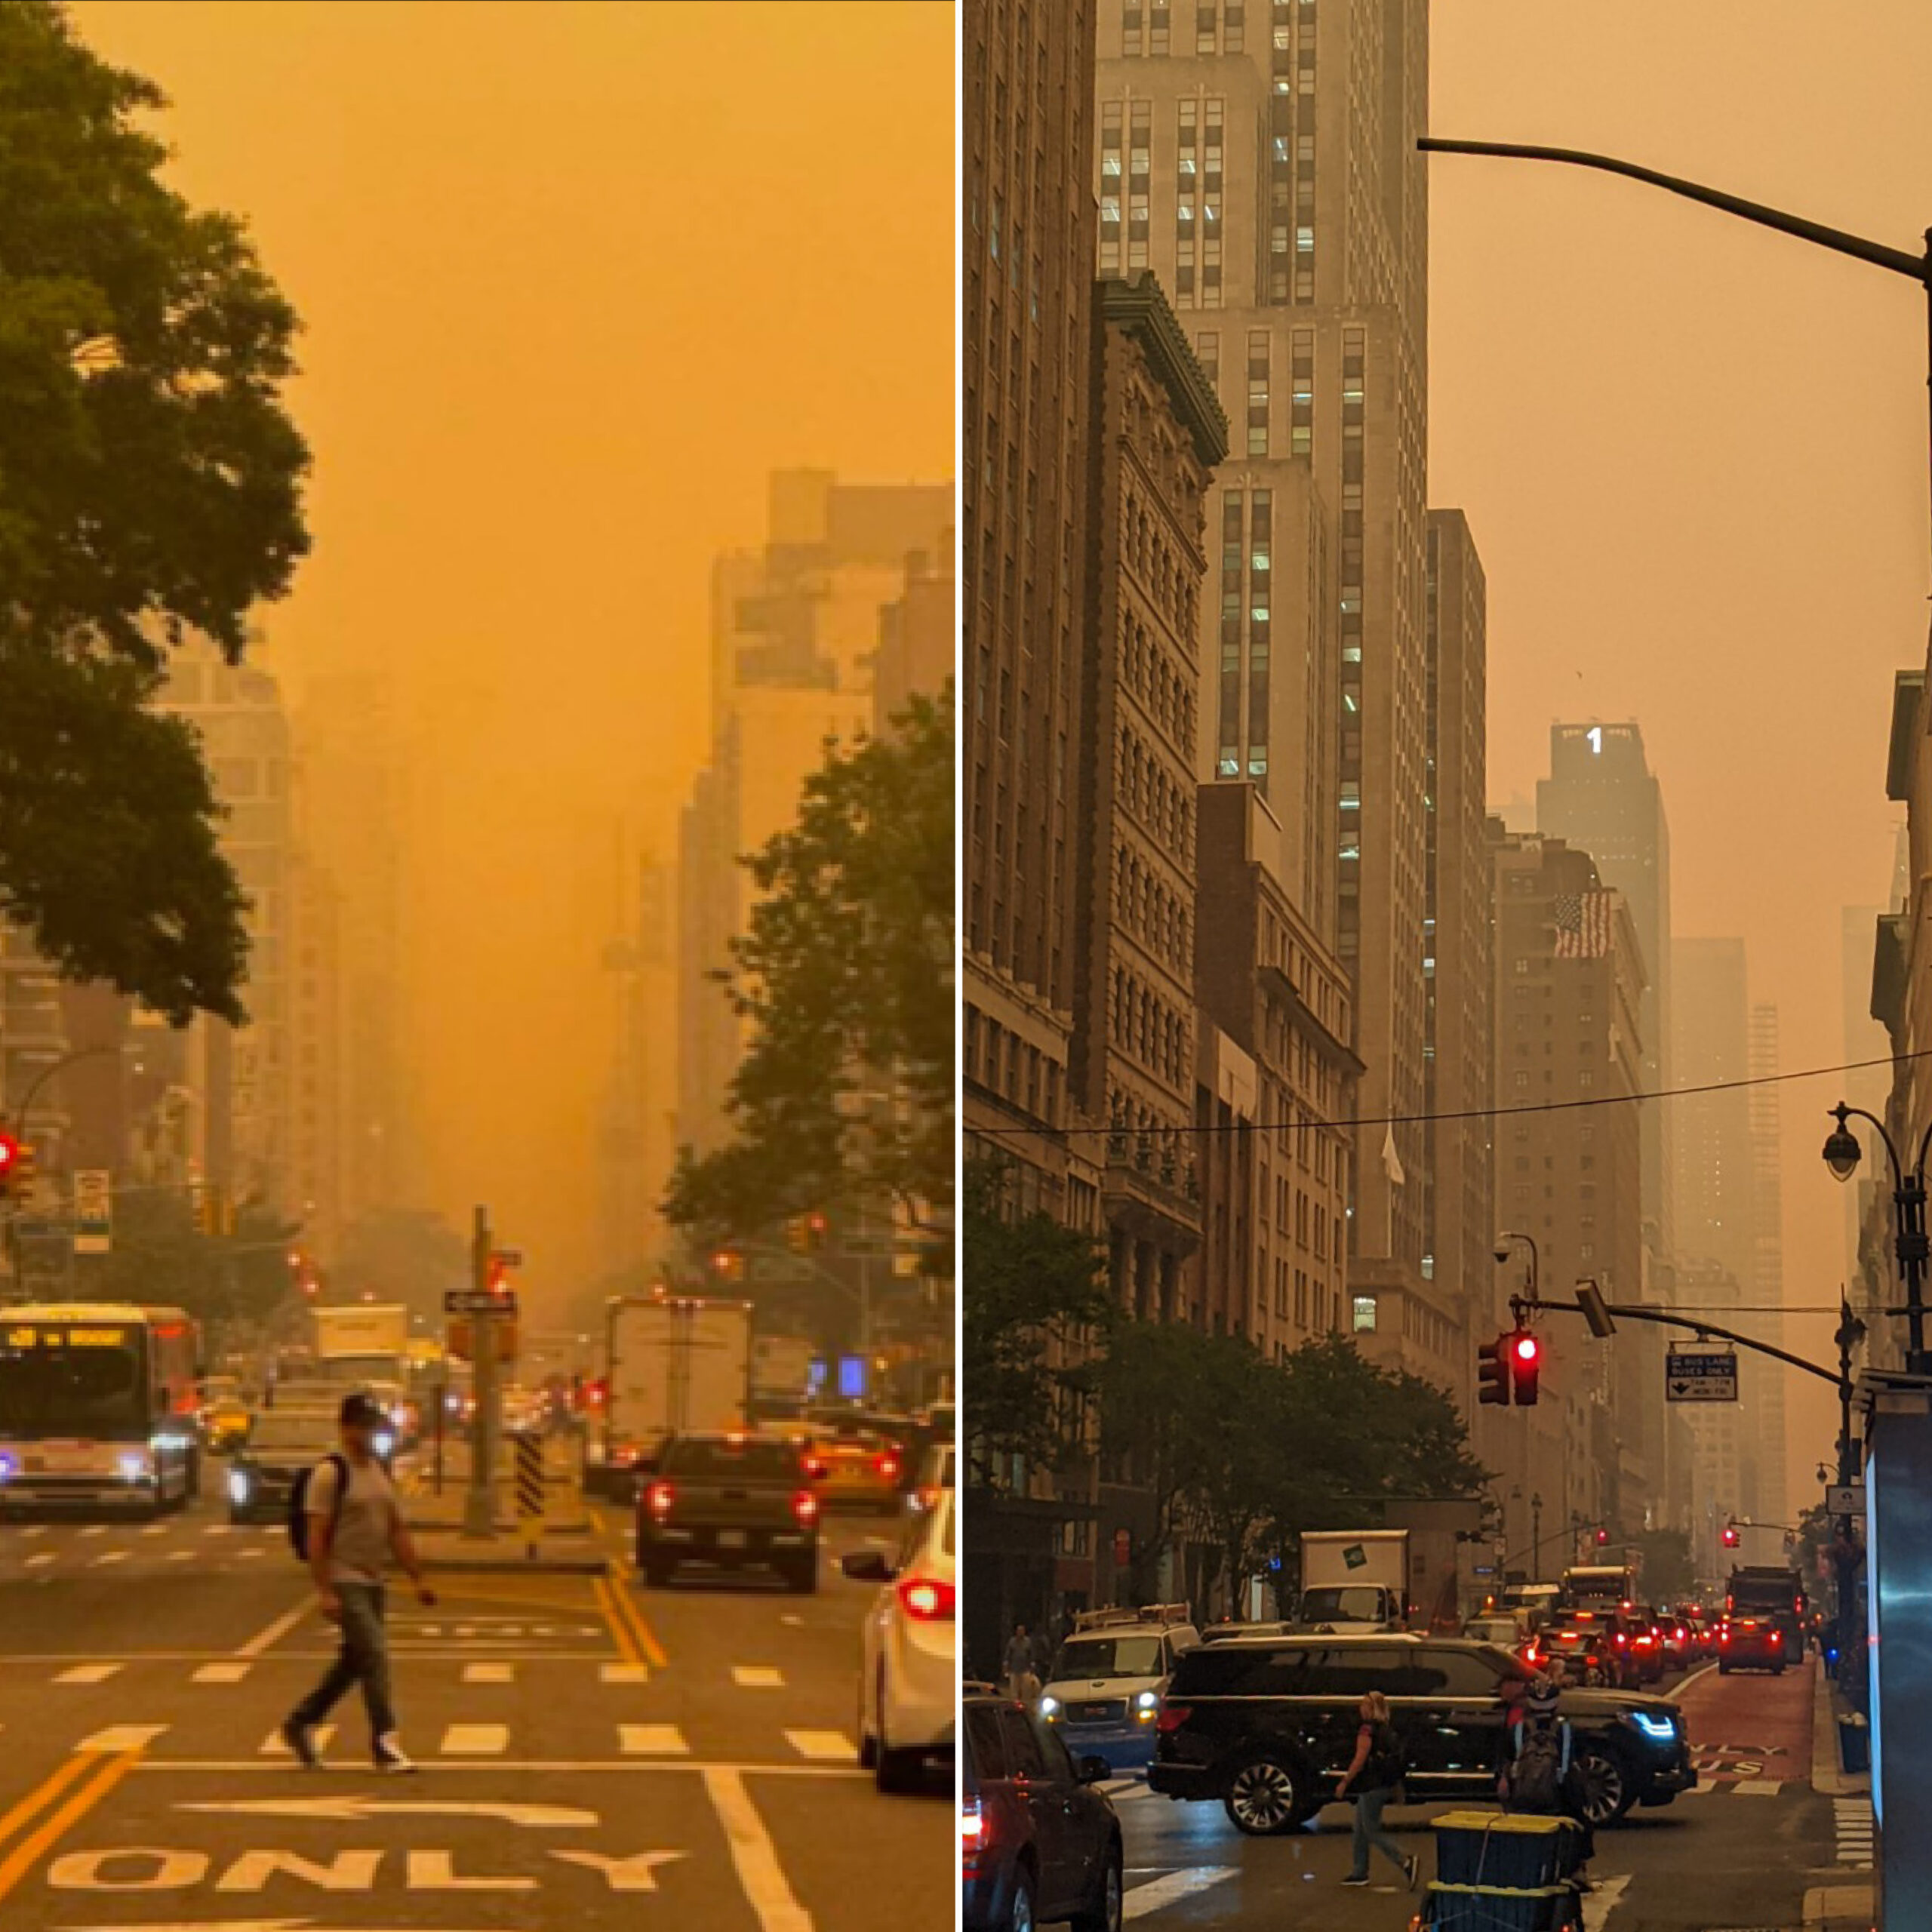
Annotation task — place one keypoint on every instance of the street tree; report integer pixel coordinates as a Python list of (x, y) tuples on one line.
[(1034, 1307), (150, 489), (845, 979)]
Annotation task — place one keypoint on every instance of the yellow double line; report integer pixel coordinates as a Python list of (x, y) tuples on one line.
[(635, 1637), (49, 1811)]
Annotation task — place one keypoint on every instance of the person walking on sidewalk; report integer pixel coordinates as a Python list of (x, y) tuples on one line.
[(1376, 1771), (355, 1527)]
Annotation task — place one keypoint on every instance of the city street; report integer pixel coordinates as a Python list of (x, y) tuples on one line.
[(589, 1752), (1741, 1850)]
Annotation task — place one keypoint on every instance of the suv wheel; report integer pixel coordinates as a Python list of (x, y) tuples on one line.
[(1607, 1790), (1105, 1914), (1264, 1796), (1019, 1910)]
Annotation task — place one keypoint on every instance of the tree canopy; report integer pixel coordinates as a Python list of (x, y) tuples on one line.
[(844, 975), (150, 488)]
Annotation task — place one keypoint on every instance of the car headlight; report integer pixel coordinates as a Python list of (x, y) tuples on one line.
[(1050, 1707), (133, 1467), (384, 1444), (7, 1468), (1146, 1705), (238, 1485), (1658, 1730)]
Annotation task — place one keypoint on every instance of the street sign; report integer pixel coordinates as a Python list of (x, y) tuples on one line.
[(1846, 1499), (1700, 1377), (93, 1211), (479, 1301)]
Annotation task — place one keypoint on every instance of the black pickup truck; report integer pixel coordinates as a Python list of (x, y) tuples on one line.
[(734, 1502), (1267, 1726)]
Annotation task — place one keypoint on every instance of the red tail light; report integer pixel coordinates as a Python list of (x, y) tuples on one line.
[(1173, 1716), (972, 1832), (804, 1507), (1778, 1636), (889, 1468), (927, 1600), (658, 1500), (1723, 1636), (1680, 1633)]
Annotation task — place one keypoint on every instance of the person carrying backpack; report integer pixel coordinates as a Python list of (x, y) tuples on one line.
[(1543, 1776), (346, 1521), (1377, 1771)]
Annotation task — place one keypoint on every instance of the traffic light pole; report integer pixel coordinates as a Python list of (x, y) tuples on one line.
[(1840, 1379), (479, 1507)]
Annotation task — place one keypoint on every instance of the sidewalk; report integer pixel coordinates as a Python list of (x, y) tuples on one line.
[(1851, 1906)]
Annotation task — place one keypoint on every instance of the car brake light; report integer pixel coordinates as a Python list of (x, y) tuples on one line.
[(1173, 1716), (972, 1830), (658, 1499), (1778, 1636), (927, 1600), (804, 1506), (887, 1468)]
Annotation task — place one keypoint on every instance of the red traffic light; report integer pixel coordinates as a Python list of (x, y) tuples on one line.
[(1525, 1366), (10, 1155), (1729, 1536), (1603, 1537), (1527, 1348)]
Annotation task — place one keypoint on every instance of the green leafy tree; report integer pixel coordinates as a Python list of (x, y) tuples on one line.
[(845, 977), (150, 486), (159, 1256), (1669, 1571), (1036, 1301)]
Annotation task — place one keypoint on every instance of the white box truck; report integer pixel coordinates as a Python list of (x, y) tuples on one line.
[(364, 1343), (672, 1363), (1364, 1580)]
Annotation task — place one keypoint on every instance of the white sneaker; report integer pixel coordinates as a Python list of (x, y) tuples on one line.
[(390, 1755)]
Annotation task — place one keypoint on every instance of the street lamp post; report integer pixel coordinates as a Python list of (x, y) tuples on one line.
[(1842, 1154)]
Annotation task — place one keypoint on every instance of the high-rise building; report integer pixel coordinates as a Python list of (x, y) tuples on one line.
[(1711, 1148), (1458, 1179), (1601, 795), (1568, 1054), (1865, 1085), (795, 638), (1262, 163), (1274, 1090), (1027, 348), (1767, 1435), (918, 637)]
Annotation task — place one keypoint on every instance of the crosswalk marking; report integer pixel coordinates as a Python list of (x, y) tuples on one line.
[(34, 1530), (94, 1530), (110, 1556), (88, 1673), (1170, 1889), (489, 1673), (623, 1673), (180, 1556), (273, 1747), (476, 1740), (39, 1558), (652, 1740), (222, 1673), (1758, 1787), (122, 1737), (757, 1677), (821, 1747), (257, 1550), (154, 1529), (1851, 1819)]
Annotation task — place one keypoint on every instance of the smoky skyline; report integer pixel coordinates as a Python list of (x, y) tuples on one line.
[(1693, 453), (574, 279)]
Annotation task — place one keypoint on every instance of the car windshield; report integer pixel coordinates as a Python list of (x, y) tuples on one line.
[(284, 1431), (724, 1461), (1109, 1656), (1345, 1604)]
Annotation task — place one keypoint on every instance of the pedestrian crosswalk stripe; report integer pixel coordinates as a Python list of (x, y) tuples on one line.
[(272, 1746), (180, 1556), (1758, 1787), (652, 1740), (94, 1530), (257, 1550), (489, 1673), (624, 1673), (39, 1558), (88, 1673), (154, 1529), (222, 1673), (34, 1530), (218, 1530), (757, 1677), (110, 1556), (476, 1740), (122, 1737), (822, 1746)]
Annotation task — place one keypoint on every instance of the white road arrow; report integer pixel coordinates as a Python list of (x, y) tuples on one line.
[(353, 1810)]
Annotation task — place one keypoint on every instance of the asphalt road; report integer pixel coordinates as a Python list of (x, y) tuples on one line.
[(1741, 1851), (593, 1756)]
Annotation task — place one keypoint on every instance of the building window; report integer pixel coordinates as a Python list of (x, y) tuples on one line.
[(1365, 1315)]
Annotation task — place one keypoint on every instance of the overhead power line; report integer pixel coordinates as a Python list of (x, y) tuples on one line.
[(1467, 1113)]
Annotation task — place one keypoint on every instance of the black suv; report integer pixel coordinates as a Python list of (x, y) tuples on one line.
[(1268, 1727), (1039, 1844)]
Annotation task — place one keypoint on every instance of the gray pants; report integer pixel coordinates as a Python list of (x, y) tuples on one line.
[(1369, 1831), (363, 1659)]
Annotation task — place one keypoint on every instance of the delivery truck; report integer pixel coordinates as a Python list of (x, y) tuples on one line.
[(671, 1364), (1365, 1581)]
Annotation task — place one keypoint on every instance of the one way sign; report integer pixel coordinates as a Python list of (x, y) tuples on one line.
[(1700, 1377)]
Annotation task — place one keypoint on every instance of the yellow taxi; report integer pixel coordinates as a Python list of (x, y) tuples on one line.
[(225, 1418), (856, 1468)]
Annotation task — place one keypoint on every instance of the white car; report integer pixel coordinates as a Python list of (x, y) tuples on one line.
[(909, 1679)]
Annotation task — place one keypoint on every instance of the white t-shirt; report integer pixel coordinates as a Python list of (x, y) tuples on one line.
[(371, 1511)]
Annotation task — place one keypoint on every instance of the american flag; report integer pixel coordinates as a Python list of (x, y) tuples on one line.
[(1583, 924)]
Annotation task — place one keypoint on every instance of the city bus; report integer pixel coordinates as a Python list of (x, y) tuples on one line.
[(98, 1408)]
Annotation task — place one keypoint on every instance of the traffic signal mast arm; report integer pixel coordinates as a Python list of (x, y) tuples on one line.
[(1624, 1313)]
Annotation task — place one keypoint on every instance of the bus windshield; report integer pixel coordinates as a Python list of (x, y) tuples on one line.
[(73, 1381)]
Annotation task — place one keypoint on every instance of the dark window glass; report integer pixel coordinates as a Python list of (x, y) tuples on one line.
[(1464, 1673), (984, 1743), (1053, 1747), (1024, 1757)]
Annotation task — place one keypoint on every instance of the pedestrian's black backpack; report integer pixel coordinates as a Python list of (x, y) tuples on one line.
[(1388, 1763), (1536, 1780), (298, 1505)]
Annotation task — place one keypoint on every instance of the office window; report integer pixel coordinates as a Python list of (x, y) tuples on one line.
[(1365, 1315)]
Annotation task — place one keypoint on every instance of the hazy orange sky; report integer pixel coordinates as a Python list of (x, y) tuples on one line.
[(575, 277), (1694, 455)]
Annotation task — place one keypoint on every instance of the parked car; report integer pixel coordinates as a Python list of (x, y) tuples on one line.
[(1751, 1643), (908, 1647), (1105, 1690), (1039, 1844), (1268, 1728), (734, 1500)]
